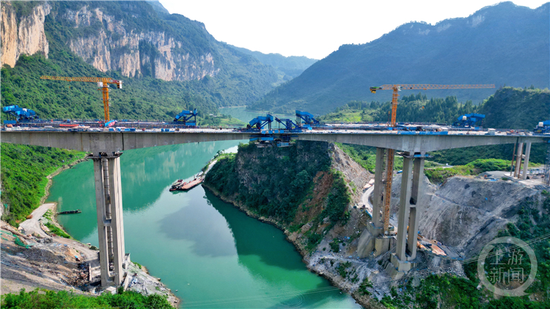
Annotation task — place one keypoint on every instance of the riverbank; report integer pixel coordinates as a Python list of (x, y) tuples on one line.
[(57, 172), (298, 244), (33, 256)]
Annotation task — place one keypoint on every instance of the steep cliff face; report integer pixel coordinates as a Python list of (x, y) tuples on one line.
[(113, 47), (23, 34)]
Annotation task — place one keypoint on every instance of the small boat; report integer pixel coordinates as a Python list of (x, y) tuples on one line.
[(180, 185), (176, 184), (69, 212)]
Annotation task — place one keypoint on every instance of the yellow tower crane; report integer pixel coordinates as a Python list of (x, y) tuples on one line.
[(391, 152), (102, 82)]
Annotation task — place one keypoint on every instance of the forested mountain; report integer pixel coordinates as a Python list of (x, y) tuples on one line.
[(166, 61), (287, 67), (502, 44)]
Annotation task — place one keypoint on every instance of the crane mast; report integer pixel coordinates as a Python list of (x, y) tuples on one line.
[(102, 82), (391, 152)]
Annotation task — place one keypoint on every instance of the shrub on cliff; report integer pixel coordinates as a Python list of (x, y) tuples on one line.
[(275, 181)]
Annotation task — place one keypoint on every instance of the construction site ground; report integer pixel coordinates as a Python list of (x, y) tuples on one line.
[(42, 260)]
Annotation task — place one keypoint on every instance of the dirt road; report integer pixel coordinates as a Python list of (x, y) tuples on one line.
[(32, 225)]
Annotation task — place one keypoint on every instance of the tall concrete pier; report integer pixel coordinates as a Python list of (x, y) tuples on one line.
[(110, 227), (407, 225)]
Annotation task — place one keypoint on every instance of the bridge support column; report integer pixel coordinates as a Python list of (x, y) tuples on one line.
[(415, 207), (378, 188), (109, 218), (407, 224), (372, 238), (404, 207), (526, 160), (518, 160)]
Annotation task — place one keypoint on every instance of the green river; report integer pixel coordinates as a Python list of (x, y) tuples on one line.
[(214, 255)]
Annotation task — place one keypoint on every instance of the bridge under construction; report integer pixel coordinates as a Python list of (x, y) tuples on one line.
[(106, 147)]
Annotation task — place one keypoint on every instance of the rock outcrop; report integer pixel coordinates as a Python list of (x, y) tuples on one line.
[(466, 213), (107, 43), (134, 53), (23, 34)]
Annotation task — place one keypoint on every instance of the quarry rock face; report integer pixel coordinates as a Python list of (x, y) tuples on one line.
[(466, 213)]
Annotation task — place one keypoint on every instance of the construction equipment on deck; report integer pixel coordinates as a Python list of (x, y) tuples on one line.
[(185, 116), (542, 127), (19, 113), (288, 124), (260, 122), (307, 118), (390, 152), (469, 121), (102, 82)]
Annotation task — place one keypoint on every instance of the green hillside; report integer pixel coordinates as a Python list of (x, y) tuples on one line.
[(241, 79), (502, 44)]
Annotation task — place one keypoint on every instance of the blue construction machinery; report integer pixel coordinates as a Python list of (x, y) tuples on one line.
[(260, 122), (19, 114), (308, 120), (267, 137), (185, 117), (469, 121), (542, 127), (289, 125)]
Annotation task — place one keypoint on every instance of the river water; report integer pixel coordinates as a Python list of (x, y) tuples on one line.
[(212, 253)]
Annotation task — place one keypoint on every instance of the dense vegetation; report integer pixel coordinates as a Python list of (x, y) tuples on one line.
[(498, 108), (448, 291), (63, 299), (24, 171), (502, 44), (274, 181), (516, 108)]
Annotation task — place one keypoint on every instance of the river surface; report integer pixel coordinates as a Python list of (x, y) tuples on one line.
[(212, 253)]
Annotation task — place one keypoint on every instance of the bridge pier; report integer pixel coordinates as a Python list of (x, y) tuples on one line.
[(526, 159), (407, 225), (372, 239), (518, 160), (110, 228)]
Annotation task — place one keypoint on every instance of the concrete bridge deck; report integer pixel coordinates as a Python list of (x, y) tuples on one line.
[(399, 140)]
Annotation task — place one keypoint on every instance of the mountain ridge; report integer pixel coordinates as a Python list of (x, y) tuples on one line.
[(504, 44)]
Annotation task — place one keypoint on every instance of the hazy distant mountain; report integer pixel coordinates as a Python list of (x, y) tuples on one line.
[(287, 67), (502, 44)]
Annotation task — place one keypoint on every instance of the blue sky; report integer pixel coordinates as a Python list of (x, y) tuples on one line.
[(315, 28)]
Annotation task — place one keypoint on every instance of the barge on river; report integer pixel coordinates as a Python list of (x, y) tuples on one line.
[(181, 185)]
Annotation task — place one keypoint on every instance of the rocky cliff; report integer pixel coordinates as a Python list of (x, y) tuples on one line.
[(133, 52), (23, 34), (108, 41)]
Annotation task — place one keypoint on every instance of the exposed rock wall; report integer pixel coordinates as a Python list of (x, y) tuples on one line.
[(106, 44), (134, 53), (25, 36), (466, 213)]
